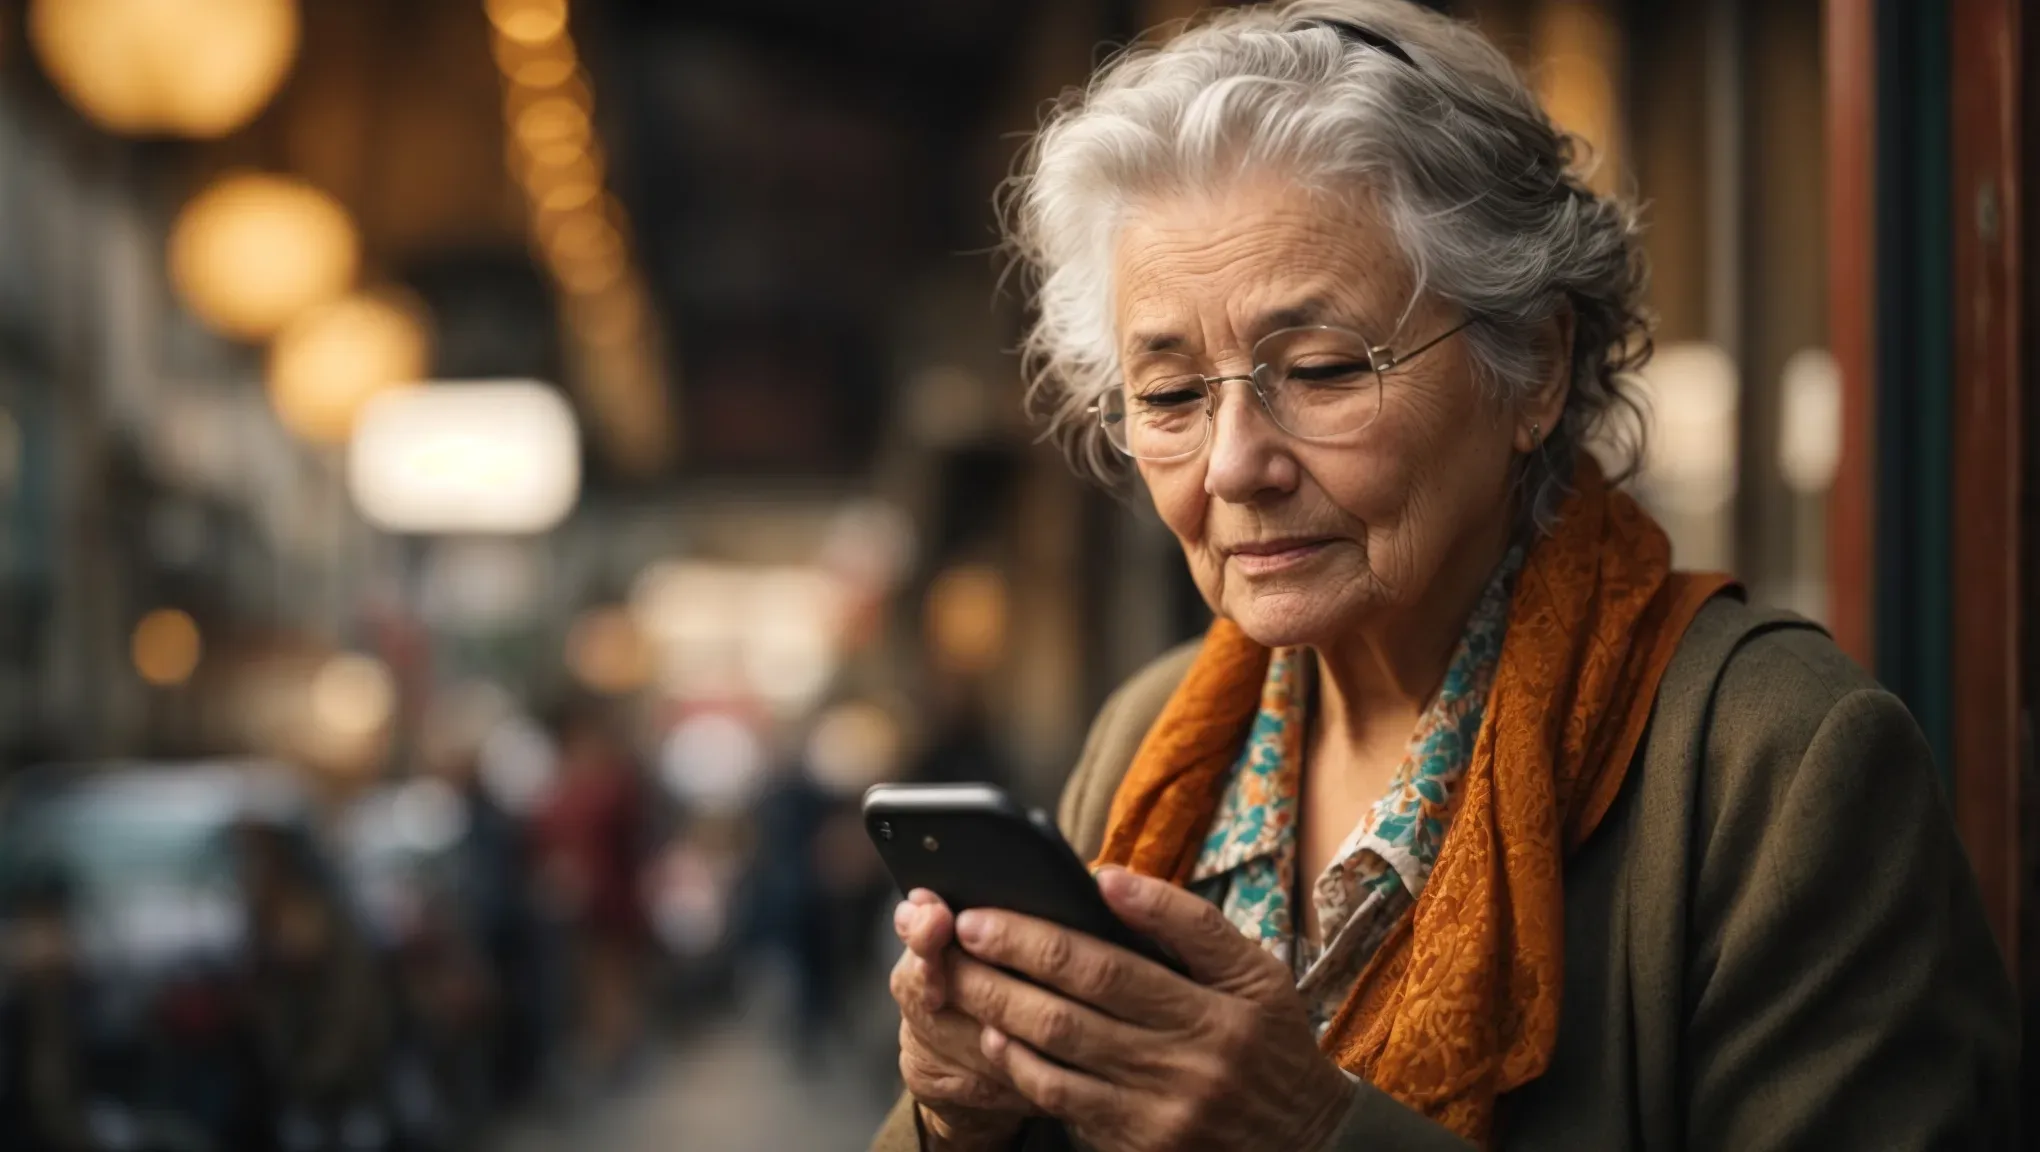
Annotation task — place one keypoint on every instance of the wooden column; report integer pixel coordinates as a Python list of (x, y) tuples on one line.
[(1850, 52), (1985, 41)]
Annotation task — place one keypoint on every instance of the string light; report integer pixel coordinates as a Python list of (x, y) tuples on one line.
[(569, 195), (554, 121), (529, 21), (610, 317), (579, 230), (534, 68)]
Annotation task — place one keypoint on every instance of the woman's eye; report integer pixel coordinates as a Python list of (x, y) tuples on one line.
[(1166, 397), (1330, 372)]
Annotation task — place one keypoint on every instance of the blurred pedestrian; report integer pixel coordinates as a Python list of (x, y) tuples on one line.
[(589, 840), (790, 911), (491, 879), (964, 747), (42, 1052), (315, 1000)]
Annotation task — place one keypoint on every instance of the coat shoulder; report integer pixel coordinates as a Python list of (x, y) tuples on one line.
[(1141, 697), (1121, 724), (1768, 686), (1771, 656)]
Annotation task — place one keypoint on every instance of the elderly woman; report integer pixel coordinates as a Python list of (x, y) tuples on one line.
[(1472, 822)]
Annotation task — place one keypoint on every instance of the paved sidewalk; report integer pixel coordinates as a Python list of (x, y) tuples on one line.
[(734, 1088)]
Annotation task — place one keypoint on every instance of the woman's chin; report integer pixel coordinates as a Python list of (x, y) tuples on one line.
[(1289, 620)]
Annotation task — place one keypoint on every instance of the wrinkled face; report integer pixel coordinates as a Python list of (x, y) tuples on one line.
[(1303, 541)]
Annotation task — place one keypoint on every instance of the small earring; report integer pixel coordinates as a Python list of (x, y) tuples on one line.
[(1536, 434)]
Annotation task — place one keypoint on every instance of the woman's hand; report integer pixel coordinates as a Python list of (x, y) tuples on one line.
[(1131, 1056), (965, 1102)]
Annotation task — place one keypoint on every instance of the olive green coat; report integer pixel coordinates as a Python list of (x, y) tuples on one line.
[(1773, 941)]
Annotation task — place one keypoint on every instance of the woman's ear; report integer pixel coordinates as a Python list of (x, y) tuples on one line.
[(1539, 413)]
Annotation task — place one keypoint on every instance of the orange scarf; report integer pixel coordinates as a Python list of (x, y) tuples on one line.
[(1460, 1004)]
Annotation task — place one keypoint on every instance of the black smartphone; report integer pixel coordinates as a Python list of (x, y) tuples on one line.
[(976, 847)]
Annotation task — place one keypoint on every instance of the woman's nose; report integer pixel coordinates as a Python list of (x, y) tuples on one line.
[(1249, 455)]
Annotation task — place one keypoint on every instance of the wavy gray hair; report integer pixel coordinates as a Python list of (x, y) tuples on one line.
[(1462, 164)]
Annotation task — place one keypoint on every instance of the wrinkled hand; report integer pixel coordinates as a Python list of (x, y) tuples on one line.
[(965, 1102), (1135, 1058)]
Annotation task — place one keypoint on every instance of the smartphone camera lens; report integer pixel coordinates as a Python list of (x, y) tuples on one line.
[(931, 844), (885, 829)]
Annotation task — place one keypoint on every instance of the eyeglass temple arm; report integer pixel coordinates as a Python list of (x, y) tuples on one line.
[(1388, 359)]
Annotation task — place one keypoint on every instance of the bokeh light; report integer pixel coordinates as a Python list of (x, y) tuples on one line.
[(254, 251), (714, 762), (607, 653), (332, 360), (428, 815), (529, 21), (536, 65), (853, 746), (569, 194), (1693, 391), (353, 696), (198, 68), (1810, 421), (166, 647), (966, 618), (542, 71), (555, 121), (501, 457)]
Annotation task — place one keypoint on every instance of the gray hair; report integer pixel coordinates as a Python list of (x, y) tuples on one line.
[(1477, 186)]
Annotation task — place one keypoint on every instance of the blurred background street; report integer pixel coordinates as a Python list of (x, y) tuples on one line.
[(644, 1121), (727, 1089), (486, 484)]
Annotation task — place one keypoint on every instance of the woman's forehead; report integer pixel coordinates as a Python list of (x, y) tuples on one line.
[(1262, 257)]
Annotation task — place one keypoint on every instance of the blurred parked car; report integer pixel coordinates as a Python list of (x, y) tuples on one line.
[(183, 968)]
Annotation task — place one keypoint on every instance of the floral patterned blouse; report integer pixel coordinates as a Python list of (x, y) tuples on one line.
[(1249, 860)]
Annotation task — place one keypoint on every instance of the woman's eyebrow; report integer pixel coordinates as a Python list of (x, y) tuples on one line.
[(1301, 314), (1154, 342)]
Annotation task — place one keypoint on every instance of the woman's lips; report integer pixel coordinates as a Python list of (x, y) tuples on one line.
[(1264, 562)]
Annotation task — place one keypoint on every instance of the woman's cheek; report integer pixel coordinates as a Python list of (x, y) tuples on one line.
[(1367, 484), (1392, 560), (1397, 512), (1391, 477), (1182, 508), (1179, 500)]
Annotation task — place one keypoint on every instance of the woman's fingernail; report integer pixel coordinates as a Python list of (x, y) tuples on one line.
[(993, 1042), (921, 896), (970, 927), (1114, 880), (903, 918)]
